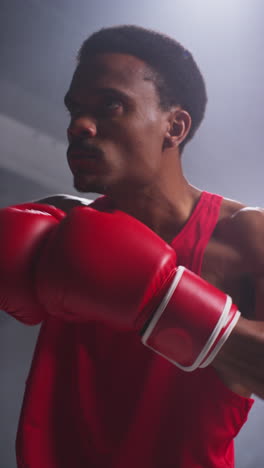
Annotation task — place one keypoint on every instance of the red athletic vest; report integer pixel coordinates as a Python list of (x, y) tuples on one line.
[(96, 398)]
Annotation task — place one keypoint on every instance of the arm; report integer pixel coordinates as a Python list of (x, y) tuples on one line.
[(64, 202), (128, 278), (241, 359)]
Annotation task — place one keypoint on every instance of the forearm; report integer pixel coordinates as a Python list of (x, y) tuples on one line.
[(242, 357), (64, 202)]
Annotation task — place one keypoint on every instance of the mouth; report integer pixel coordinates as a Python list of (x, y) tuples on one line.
[(80, 158)]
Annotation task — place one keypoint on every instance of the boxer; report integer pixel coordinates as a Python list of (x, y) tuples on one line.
[(115, 383)]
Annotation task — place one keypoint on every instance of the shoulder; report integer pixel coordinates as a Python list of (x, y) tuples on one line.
[(242, 228)]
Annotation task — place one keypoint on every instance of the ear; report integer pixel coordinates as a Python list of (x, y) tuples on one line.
[(179, 124)]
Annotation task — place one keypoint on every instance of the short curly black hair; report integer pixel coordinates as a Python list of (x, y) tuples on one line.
[(176, 76)]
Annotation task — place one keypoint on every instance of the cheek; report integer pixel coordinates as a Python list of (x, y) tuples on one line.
[(148, 143), (143, 136), (150, 133), (135, 142)]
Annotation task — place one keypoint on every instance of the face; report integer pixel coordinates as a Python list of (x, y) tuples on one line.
[(116, 131)]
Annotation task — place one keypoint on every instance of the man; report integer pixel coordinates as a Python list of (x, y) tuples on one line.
[(95, 396)]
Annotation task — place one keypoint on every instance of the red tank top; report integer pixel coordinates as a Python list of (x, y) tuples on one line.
[(96, 398)]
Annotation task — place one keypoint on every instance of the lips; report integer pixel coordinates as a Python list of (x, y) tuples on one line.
[(77, 155), (80, 165), (81, 159)]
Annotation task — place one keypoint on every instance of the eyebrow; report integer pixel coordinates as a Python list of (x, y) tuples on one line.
[(68, 101)]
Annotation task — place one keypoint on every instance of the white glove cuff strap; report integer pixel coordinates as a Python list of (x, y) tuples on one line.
[(212, 338), (222, 340), (162, 305)]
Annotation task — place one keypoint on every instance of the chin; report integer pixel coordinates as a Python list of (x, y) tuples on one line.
[(84, 186)]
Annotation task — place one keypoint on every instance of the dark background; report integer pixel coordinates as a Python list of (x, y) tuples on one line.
[(38, 44)]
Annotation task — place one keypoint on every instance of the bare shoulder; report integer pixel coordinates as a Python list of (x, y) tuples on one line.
[(64, 202), (242, 227)]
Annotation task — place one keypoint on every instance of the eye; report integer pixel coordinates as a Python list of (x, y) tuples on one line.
[(111, 104)]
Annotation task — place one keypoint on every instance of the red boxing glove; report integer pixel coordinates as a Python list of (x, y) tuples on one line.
[(24, 230), (108, 266), (192, 322), (101, 266)]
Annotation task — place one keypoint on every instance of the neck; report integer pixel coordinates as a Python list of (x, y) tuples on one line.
[(163, 209)]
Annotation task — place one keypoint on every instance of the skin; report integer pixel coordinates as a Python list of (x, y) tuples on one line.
[(134, 158)]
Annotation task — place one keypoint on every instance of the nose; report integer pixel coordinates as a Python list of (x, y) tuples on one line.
[(81, 127)]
